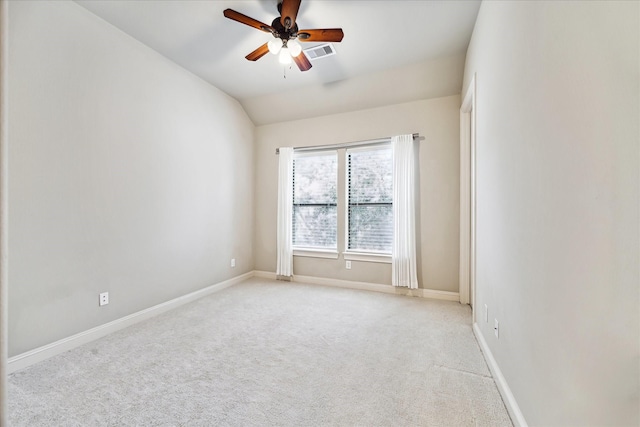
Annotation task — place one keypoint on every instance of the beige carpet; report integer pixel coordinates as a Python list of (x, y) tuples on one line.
[(266, 353)]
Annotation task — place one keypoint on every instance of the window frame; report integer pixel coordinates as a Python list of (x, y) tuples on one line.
[(313, 251), (342, 208), (361, 254)]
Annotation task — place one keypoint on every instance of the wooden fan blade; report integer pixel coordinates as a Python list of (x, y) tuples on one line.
[(289, 10), (322, 35), (302, 62), (258, 53), (244, 19)]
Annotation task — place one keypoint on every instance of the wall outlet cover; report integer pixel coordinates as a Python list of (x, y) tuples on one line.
[(104, 298)]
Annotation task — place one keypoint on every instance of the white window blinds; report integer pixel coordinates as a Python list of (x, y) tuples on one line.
[(315, 196), (370, 199)]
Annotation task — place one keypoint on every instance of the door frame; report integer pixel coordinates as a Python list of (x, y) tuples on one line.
[(4, 135), (467, 274)]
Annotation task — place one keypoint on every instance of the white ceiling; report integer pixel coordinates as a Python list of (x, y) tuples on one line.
[(379, 36)]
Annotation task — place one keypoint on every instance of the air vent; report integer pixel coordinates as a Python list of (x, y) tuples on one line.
[(320, 51)]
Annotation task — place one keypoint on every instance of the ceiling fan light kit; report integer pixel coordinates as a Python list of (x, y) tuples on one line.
[(284, 57), (295, 48), (287, 36), (274, 46)]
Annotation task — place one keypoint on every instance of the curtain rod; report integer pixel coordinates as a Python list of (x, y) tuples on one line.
[(346, 144)]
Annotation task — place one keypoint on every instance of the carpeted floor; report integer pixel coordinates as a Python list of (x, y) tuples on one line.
[(266, 353)]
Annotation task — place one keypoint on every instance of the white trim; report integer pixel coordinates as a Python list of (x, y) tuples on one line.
[(39, 354), (364, 286), (472, 248), (344, 145), (507, 396), (4, 141), (264, 274), (355, 254), (298, 153), (377, 287), (467, 196), (377, 146), (465, 209), (316, 253), (367, 257)]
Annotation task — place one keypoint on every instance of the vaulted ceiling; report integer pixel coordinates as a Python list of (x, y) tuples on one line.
[(392, 51)]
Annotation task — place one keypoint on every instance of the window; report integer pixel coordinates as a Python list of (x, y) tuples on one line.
[(367, 207), (315, 197), (370, 199)]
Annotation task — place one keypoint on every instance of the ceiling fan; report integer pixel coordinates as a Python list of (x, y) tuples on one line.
[(286, 34)]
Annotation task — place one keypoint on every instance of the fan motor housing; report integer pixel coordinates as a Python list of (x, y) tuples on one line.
[(281, 32)]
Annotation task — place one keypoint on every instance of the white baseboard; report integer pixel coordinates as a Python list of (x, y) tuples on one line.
[(375, 287), (264, 274), (507, 396), (39, 354)]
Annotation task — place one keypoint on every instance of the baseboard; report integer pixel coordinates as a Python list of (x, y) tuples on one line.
[(507, 396), (39, 354), (264, 274), (375, 287)]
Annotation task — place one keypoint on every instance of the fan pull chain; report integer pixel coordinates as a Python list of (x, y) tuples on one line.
[(284, 71)]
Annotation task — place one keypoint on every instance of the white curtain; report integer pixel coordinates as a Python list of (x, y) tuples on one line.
[(403, 264), (285, 213)]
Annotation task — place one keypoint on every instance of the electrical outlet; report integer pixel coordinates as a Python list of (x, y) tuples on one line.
[(486, 313), (233, 262), (348, 265), (496, 328), (104, 298)]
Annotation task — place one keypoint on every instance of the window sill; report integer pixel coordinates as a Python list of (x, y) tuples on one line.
[(315, 253), (368, 257)]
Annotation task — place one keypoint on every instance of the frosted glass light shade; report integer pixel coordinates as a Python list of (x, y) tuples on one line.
[(295, 48), (285, 56), (274, 46)]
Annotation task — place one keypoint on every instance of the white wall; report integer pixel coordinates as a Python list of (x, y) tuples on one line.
[(557, 205), (437, 120), (127, 174)]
